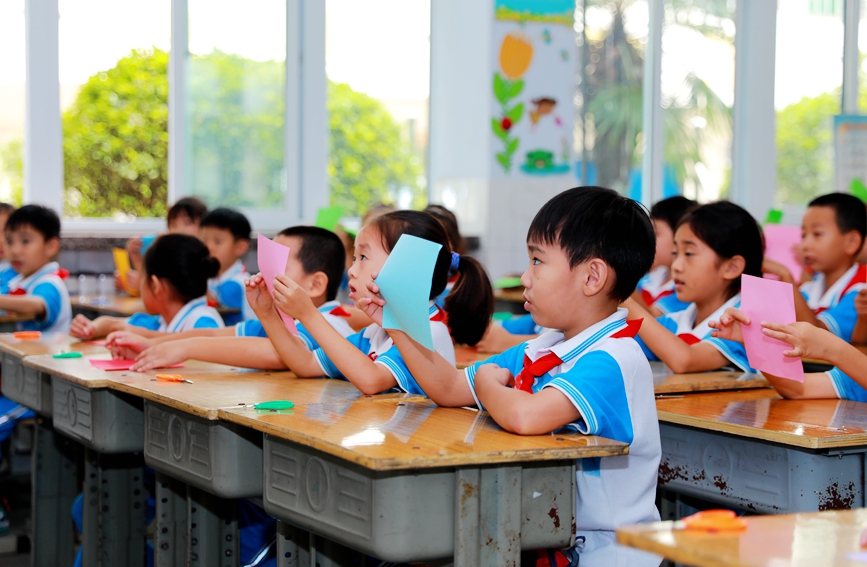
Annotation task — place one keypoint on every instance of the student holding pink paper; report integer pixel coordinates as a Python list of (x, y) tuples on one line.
[(846, 381), (374, 364)]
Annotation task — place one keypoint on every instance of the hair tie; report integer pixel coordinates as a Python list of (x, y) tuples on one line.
[(456, 261)]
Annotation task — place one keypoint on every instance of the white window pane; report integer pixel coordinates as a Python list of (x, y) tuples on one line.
[(12, 75)]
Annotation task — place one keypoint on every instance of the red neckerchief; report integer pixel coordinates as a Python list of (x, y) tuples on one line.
[(340, 312)]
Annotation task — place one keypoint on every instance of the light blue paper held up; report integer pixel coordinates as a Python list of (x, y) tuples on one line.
[(404, 282)]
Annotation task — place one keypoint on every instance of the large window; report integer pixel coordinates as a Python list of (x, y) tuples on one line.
[(378, 65), (809, 75), (235, 103), (698, 71), (11, 99)]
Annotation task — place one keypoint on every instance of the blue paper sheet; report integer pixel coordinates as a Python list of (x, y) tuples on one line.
[(404, 282)]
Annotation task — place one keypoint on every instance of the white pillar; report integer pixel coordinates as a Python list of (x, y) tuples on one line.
[(178, 139), (43, 131), (654, 135), (851, 21), (754, 151)]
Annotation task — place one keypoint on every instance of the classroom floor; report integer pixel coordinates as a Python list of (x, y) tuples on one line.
[(15, 545)]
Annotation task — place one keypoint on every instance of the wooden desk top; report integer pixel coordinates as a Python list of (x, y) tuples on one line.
[(80, 371), (467, 356), (397, 435), (829, 539), (764, 415), (515, 295), (15, 318), (50, 343), (665, 382), (211, 392), (114, 305)]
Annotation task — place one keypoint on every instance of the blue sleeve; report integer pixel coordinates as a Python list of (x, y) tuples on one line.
[(523, 325), (666, 322), (841, 318), (53, 302), (231, 294), (847, 388), (5, 276), (328, 368), (735, 352), (250, 328), (305, 336), (512, 358), (393, 360), (149, 322), (206, 322), (595, 386)]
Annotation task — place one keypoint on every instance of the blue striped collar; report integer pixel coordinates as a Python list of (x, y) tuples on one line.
[(552, 341), (328, 306), (235, 270), (19, 282), (185, 312)]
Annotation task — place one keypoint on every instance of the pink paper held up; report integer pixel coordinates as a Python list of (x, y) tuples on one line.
[(272, 259), (769, 300)]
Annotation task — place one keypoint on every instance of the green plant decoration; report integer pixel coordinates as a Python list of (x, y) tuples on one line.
[(506, 91)]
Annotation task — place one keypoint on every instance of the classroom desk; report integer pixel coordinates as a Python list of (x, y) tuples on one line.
[(666, 382), (756, 451), (830, 539), (118, 306), (9, 321), (406, 480), (510, 300)]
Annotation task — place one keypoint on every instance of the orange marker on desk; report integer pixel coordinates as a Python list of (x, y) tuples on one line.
[(170, 378), (27, 335), (715, 521)]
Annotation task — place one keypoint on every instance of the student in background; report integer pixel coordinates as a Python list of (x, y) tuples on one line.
[(183, 218), (7, 272), (833, 233), (847, 381), (375, 364), (656, 289), (226, 233), (450, 224), (315, 263), (32, 241), (713, 246), (175, 278), (859, 334), (588, 374)]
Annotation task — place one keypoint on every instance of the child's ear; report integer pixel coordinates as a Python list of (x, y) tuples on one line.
[(241, 247), (596, 276), (317, 285), (155, 284), (52, 247), (734, 267), (852, 243)]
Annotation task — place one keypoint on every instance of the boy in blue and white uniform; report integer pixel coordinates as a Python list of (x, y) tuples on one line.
[(587, 374), (32, 240), (7, 272), (226, 233)]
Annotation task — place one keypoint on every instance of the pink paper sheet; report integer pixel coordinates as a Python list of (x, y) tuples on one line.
[(779, 241), (769, 300), (272, 259), (116, 364)]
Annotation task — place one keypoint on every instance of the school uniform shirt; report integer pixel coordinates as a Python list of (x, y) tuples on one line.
[(846, 387), (7, 272), (835, 306), (657, 290), (47, 286), (375, 342), (331, 310), (196, 314), (610, 383), (683, 324), (228, 289)]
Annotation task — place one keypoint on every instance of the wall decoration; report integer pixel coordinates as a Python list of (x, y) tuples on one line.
[(850, 155)]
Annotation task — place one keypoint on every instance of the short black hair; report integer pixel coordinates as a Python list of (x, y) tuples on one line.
[(594, 222), (192, 207), (184, 261), (6, 209), (671, 210), (321, 251), (228, 219), (849, 211), (729, 230), (43, 220)]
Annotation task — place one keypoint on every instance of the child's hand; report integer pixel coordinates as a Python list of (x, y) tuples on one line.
[(372, 306), (290, 298), (126, 345), (861, 303), (257, 295), (807, 340), (134, 246), (160, 356), (775, 268), (82, 328), (729, 326), (501, 376)]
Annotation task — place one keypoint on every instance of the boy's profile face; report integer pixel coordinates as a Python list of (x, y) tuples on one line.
[(27, 250), (223, 246), (3, 219), (183, 224), (664, 244), (553, 293), (823, 246), (294, 268)]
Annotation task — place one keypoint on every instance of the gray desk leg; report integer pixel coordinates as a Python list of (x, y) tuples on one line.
[(170, 541), (54, 489), (300, 548), (114, 510), (488, 516), (213, 530)]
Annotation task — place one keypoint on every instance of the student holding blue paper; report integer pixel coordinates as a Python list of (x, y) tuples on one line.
[(588, 247), (374, 364), (847, 381)]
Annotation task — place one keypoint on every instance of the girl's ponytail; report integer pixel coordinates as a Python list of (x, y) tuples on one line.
[(470, 303)]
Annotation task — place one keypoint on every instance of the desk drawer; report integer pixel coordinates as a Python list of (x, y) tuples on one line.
[(218, 457), (101, 419), (27, 386), (401, 515), (757, 476)]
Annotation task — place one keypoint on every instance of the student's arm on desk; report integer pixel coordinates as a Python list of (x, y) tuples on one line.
[(85, 329), (23, 304), (135, 337), (802, 310), (248, 352), (675, 353)]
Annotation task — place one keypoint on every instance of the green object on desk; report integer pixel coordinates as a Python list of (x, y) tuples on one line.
[(274, 405), (774, 216), (507, 282), (501, 316), (68, 355)]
